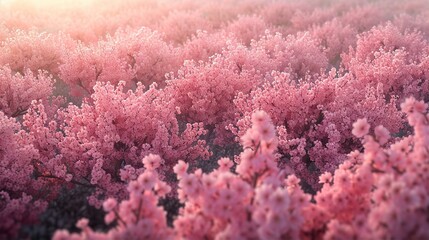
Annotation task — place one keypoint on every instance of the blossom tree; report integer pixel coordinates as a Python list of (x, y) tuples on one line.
[(336, 38), (147, 53), (299, 54), (247, 28), (106, 138), (22, 197), (86, 65), (393, 58), (19, 90), (139, 216), (218, 81), (179, 26), (35, 51), (220, 204), (382, 191), (314, 119)]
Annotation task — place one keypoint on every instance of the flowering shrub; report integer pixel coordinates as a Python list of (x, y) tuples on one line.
[(178, 26), (148, 54), (138, 216), (396, 60), (100, 148), (34, 51), (86, 65), (21, 195), (19, 90), (380, 192), (215, 119), (256, 202), (219, 81)]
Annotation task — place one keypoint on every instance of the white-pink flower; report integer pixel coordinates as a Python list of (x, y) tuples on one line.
[(180, 169), (360, 127), (152, 161), (382, 134), (109, 204), (147, 180)]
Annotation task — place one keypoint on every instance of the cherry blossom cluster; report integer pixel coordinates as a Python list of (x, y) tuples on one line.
[(97, 148), (219, 80), (18, 90), (314, 119), (254, 201), (34, 50), (139, 216), (130, 55), (379, 192), (396, 59), (20, 192)]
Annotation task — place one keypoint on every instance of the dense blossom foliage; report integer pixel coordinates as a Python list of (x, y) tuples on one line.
[(382, 191), (137, 216), (248, 119), (395, 59), (256, 202), (97, 148), (84, 66), (18, 187), (33, 50), (19, 90)]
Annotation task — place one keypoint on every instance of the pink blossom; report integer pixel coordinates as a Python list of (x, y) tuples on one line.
[(152, 162), (279, 201), (225, 164), (110, 217), (360, 127), (147, 180), (292, 181), (109, 204), (135, 187), (20, 89), (180, 168), (325, 178), (382, 134), (82, 223), (162, 189)]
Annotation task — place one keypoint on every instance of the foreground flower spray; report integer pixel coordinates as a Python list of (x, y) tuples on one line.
[(379, 192)]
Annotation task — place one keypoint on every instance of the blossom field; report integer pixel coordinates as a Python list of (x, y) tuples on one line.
[(214, 119)]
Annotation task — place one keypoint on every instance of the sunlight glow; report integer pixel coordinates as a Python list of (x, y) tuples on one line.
[(45, 4)]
